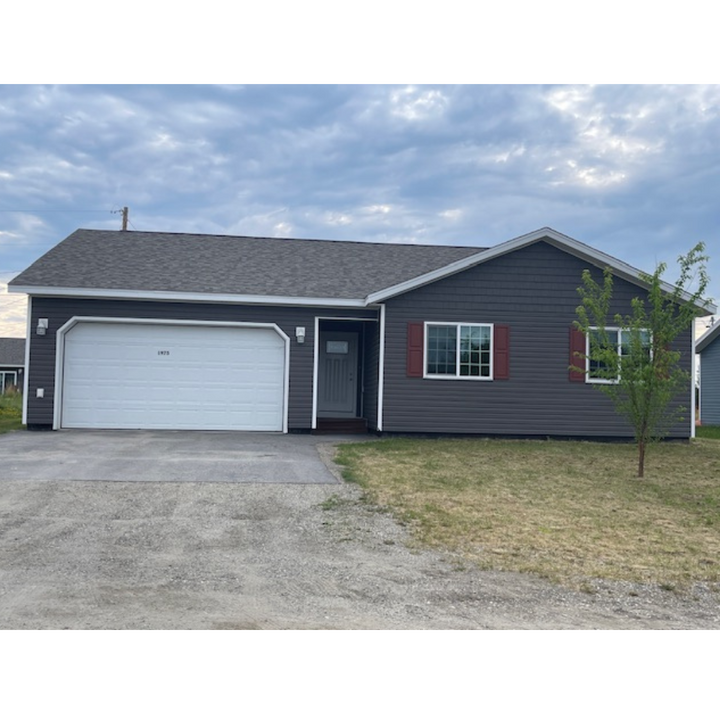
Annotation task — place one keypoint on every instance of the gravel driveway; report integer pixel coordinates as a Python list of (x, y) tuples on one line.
[(88, 554)]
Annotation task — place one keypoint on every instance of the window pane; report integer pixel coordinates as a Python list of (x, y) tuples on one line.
[(599, 368), (442, 339), (458, 350), (473, 362)]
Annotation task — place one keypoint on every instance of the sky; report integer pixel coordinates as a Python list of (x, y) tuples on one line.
[(632, 170)]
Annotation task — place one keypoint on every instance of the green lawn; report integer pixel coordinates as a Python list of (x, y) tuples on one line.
[(708, 431), (568, 511), (10, 412)]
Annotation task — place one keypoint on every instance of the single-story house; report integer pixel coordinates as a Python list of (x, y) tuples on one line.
[(183, 331), (12, 363), (708, 347)]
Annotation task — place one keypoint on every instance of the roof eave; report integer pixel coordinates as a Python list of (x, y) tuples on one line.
[(167, 296), (707, 337)]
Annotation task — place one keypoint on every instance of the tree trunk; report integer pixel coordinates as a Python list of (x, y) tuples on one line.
[(641, 458)]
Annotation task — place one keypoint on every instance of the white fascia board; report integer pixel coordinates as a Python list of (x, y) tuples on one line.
[(707, 337), (553, 237), (164, 296), (26, 373)]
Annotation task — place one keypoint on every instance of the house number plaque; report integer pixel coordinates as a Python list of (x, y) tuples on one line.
[(163, 352)]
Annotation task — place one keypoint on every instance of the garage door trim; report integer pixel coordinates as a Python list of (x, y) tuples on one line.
[(60, 351)]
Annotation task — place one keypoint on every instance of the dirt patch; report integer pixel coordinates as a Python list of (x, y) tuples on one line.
[(241, 556)]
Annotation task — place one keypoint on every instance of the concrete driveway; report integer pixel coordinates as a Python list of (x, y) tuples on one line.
[(234, 530), (164, 456)]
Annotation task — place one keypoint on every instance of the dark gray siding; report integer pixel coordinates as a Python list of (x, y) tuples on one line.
[(60, 310), (371, 349), (710, 384), (534, 291)]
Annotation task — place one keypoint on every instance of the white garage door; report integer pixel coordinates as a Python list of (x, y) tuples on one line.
[(130, 375)]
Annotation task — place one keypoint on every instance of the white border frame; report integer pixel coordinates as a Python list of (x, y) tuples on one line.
[(60, 351), (458, 324)]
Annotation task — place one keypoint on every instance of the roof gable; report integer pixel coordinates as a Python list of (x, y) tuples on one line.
[(708, 337), (552, 237)]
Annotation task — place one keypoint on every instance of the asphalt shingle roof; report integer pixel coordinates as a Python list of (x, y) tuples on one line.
[(12, 351), (219, 264)]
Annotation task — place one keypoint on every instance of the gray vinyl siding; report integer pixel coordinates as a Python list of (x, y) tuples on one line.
[(60, 310), (534, 292), (371, 350), (710, 384)]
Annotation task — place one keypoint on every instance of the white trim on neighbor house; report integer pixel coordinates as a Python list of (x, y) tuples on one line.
[(707, 337), (457, 375), (4, 374), (562, 242), (167, 296), (60, 351), (26, 373)]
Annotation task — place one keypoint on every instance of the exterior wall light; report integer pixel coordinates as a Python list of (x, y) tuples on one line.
[(300, 334)]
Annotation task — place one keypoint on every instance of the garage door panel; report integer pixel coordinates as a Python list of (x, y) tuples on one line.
[(125, 375)]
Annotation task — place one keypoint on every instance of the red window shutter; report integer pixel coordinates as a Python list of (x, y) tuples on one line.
[(577, 345), (415, 347), (501, 352)]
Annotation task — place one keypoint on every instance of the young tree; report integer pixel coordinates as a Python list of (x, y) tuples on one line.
[(631, 357)]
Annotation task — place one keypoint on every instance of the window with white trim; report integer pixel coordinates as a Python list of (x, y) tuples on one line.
[(619, 340), (7, 379), (458, 350)]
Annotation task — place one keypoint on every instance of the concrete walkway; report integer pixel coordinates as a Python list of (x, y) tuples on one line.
[(163, 456)]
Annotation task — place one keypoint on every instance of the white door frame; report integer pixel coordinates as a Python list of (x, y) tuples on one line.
[(60, 351), (316, 355)]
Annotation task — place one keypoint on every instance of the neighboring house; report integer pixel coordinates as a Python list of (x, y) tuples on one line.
[(180, 331), (708, 347), (12, 363)]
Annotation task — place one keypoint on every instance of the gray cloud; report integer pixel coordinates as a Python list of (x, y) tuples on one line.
[(631, 170)]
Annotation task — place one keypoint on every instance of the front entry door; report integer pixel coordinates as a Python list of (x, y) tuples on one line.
[(337, 375)]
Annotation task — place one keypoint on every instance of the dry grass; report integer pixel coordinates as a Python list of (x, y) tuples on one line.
[(568, 511)]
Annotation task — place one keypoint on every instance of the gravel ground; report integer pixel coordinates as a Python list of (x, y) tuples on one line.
[(79, 554)]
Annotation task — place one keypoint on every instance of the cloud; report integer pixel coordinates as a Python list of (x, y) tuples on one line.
[(416, 104), (13, 311), (632, 170)]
